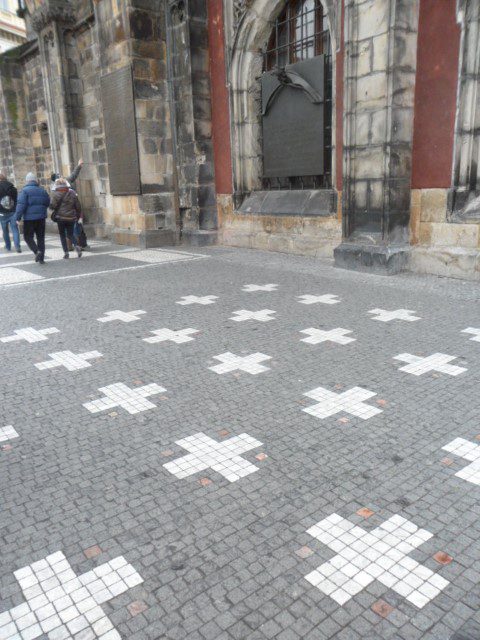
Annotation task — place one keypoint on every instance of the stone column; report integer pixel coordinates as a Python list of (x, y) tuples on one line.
[(380, 67), (190, 96), (465, 195)]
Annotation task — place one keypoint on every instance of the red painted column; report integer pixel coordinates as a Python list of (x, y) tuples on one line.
[(435, 94), (220, 99), (339, 103)]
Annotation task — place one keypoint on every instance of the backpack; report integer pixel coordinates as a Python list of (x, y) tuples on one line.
[(7, 203)]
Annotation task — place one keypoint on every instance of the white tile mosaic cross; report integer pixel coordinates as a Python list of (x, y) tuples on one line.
[(351, 401), (122, 316), (366, 556), (382, 315), (469, 451), (328, 298), (69, 360), (119, 395), (250, 288), (8, 433), (316, 336), (249, 364), (164, 335), (61, 605), (417, 366), (474, 332), (222, 457), (204, 300), (30, 335), (265, 315)]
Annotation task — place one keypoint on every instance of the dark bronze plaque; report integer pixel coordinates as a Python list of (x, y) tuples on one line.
[(293, 120), (121, 132)]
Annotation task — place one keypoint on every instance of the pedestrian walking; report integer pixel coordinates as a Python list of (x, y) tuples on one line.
[(66, 212), (78, 231), (8, 204), (32, 206)]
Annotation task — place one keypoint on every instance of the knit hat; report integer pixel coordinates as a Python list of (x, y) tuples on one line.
[(31, 177)]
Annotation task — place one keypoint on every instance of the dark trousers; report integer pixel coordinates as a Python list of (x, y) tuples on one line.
[(65, 230), (36, 228)]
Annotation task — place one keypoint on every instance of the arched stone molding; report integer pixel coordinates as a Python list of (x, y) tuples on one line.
[(466, 162), (249, 27)]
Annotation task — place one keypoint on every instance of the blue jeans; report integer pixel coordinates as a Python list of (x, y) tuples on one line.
[(5, 221)]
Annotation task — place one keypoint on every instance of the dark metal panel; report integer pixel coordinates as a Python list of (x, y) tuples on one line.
[(293, 120), (121, 132)]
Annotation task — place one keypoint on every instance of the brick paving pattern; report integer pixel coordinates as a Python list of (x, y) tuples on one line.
[(215, 559)]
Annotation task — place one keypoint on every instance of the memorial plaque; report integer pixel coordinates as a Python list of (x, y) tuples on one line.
[(293, 120), (121, 132)]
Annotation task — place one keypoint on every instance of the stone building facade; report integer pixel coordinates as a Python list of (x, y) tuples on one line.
[(334, 128)]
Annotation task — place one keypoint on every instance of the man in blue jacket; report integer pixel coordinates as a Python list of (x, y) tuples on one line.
[(32, 206)]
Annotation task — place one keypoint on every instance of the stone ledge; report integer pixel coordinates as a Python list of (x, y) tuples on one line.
[(450, 262), (199, 238), (380, 259), (305, 202)]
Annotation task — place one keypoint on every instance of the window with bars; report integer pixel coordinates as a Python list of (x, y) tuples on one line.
[(301, 32)]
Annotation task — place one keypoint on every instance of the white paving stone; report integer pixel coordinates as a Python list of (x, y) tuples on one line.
[(316, 336), (63, 605), (382, 315), (69, 360), (250, 288), (249, 364), (474, 332), (164, 335), (13, 275), (156, 256), (223, 457), (122, 316), (469, 451), (327, 298), (204, 300), (381, 554), (417, 366), (30, 335), (7, 433), (119, 395), (351, 401), (242, 315)]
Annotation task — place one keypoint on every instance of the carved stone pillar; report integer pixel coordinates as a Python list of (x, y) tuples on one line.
[(380, 67)]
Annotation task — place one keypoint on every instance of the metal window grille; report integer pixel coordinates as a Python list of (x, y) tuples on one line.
[(301, 32)]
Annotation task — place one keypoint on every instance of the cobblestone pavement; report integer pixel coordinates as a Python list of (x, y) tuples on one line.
[(201, 470)]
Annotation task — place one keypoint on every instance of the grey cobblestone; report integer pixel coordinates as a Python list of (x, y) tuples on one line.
[(220, 561)]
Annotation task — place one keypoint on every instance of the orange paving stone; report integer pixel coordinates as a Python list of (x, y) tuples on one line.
[(442, 558)]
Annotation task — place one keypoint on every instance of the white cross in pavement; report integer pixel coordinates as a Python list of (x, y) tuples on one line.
[(316, 336), (265, 315), (197, 300), (223, 457), (474, 332), (30, 335), (122, 316), (351, 401), (69, 360), (382, 315), (7, 433), (119, 395), (469, 451), (328, 298), (163, 335), (417, 366), (61, 605), (366, 556), (260, 287), (249, 364)]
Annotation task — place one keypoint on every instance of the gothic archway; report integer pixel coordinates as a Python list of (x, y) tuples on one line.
[(251, 25)]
